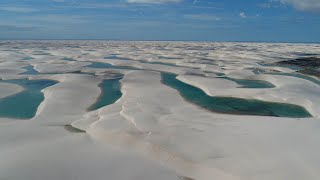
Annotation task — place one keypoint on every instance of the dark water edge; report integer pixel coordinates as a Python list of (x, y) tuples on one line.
[(311, 71), (246, 83), (308, 65), (24, 105), (68, 59), (27, 58), (110, 66), (110, 93), (229, 105), (30, 70), (115, 56)]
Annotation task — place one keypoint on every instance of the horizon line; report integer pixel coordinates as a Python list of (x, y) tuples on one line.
[(157, 40)]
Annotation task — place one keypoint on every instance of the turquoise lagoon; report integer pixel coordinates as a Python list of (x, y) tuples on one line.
[(229, 105), (246, 83), (109, 66), (110, 93), (30, 70), (24, 105)]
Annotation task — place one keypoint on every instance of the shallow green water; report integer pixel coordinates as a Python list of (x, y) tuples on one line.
[(27, 58), (68, 59), (24, 105), (115, 56), (167, 57), (246, 83), (258, 71), (230, 105), (110, 66), (99, 65), (30, 70), (110, 93)]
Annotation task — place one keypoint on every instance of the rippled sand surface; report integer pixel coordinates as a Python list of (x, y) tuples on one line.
[(150, 131)]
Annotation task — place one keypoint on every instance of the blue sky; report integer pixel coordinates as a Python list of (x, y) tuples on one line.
[(204, 20)]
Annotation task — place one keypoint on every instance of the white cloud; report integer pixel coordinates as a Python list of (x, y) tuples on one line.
[(153, 1), (195, 1), (17, 9), (55, 18), (10, 27), (202, 17), (242, 15), (304, 5)]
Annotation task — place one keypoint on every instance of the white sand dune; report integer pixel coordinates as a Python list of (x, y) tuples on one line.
[(204, 145), (30, 151), (151, 132)]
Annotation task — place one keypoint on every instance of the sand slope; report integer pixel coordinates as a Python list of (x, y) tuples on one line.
[(152, 132)]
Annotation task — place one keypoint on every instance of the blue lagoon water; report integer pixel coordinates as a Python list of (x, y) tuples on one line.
[(229, 105), (30, 70), (246, 83), (68, 59), (99, 65), (115, 56), (27, 58), (24, 105), (110, 93), (110, 66)]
